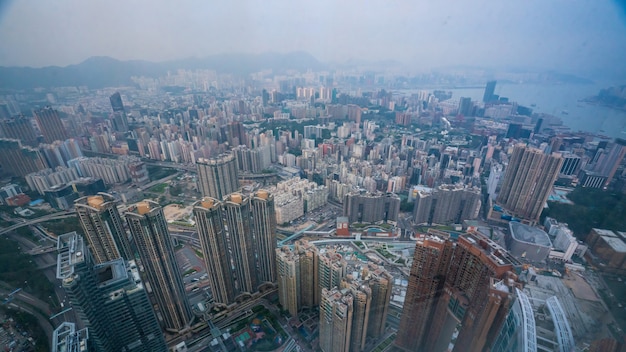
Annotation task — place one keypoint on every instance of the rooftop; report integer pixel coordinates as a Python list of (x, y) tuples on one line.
[(616, 243), (529, 234), (603, 232)]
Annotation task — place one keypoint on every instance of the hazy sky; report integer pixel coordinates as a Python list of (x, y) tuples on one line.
[(555, 34)]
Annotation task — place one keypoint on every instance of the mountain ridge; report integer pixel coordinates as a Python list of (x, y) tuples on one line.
[(104, 71)]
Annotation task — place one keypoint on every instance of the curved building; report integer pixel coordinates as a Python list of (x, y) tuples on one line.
[(103, 227), (528, 242)]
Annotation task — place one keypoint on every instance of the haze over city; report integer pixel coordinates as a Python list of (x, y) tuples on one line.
[(575, 37), (390, 176)]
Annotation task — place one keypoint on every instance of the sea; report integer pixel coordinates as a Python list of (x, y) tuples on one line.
[(562, 100)]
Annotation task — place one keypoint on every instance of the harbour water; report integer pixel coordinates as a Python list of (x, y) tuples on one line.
[(564, 101)]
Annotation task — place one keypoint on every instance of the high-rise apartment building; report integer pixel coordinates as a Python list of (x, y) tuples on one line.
[(217, 177), (208, 214), (332, 268), (528, 181), (19, 127), (152, 238), (371, 208), (309, 274), (447, 204), (380, 282), (50, 125), (336, 309), (289, 290), (109, 298), (464, 283), (238, 241), (103, 227), (18, 160), (490, 89), (239, 223), (264, 235), (120, 120), (361, 305)]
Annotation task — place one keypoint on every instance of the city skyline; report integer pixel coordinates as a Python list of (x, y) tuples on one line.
[(551, 35)]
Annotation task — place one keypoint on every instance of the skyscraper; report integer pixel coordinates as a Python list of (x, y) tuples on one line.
[(447, 204), (238, 221), (66, 338), (19, 127), (489, 92), (528, 181), (361, 304), (109, 298), (152, 238), (289, 290), (371, 208), (609, 160), (50, 125), (120, 121), (331, 269), (381, 283), (467, 283), (103, 227), (309, 273), (238, 241), (208, 213), (336, 308), (17, 160), (264, 235), (217, 177)]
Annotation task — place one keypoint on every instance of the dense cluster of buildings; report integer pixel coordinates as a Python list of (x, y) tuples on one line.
[(295, 197), (328, 146), (353, 297)]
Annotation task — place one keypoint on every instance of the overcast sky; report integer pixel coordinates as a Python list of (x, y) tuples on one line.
[(569, 35)]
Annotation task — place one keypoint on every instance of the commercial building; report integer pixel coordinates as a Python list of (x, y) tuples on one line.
[(609, 248), (371, 208), (152, 238), (464, 283), (50, 125), (238, 242), (109, 298), (489, 95), (528, 242), (217, 177), (61, 197), (67, 338), (447, 204), (103, 228), (120, 121), (608, 159), (528, 181)]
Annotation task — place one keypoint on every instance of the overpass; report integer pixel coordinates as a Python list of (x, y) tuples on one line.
[(55, 216), (295, 235)]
